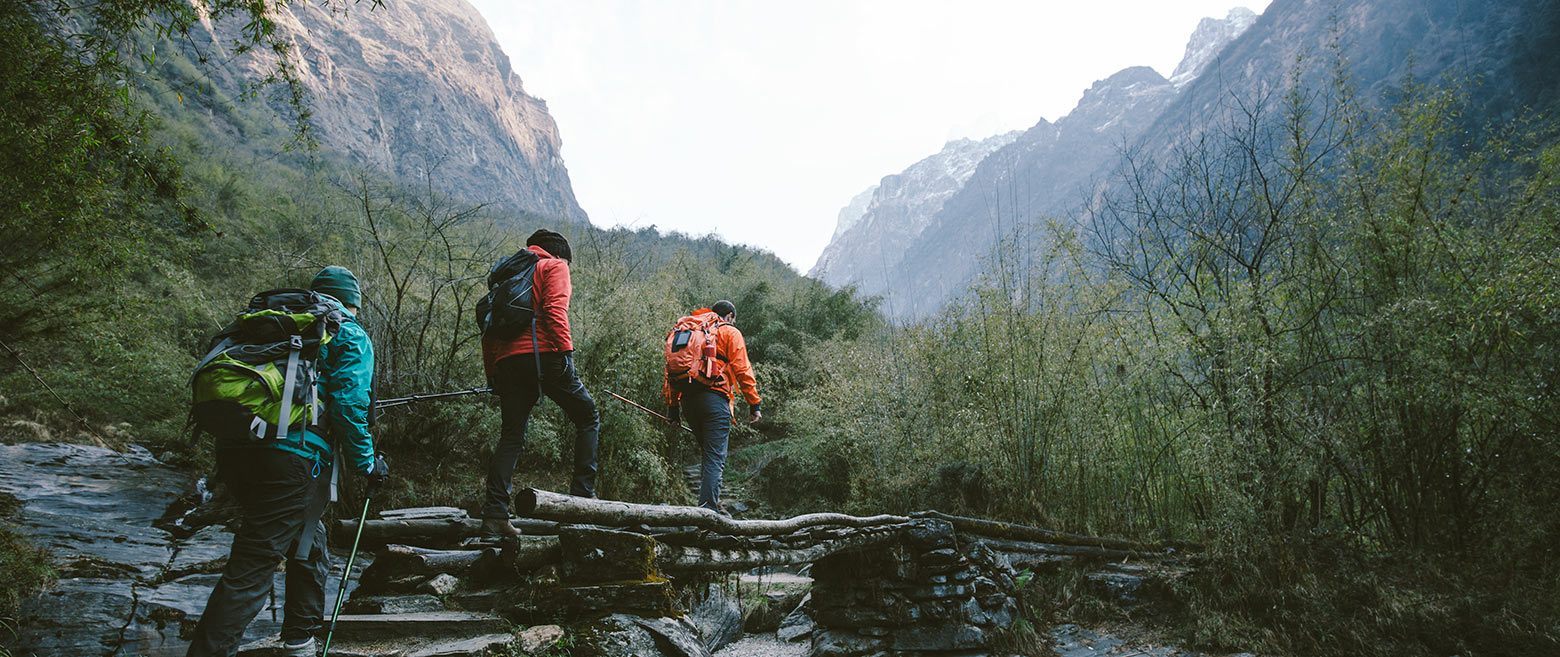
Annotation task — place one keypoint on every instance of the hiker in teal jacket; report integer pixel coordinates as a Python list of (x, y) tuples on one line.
[(283, 486)]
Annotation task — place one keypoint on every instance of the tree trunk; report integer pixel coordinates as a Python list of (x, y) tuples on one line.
[(567, 508), (1014, 532), (680, 558)]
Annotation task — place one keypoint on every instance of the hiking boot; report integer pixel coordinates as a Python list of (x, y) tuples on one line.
[(498, 528), (303, 647)]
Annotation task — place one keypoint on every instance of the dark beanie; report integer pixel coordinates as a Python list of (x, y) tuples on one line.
[(339, 283), (550, 242), (724, 307)]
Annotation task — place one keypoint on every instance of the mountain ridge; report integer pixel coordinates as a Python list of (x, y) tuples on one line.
[(419, 91)]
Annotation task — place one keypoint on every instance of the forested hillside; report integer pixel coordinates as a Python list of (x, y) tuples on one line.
[(1320, 340)]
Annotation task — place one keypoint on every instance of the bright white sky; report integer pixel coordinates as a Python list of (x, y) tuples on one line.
[(758, 121)]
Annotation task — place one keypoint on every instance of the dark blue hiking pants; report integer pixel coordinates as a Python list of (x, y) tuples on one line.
[(709, 415)]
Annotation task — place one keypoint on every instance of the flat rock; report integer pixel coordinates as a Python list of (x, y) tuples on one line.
[(1070, 640), (205, 551), (536, 640), (472, 647), (98, 548), (91, 482), (393, 604), (82, 616), (421, 624)]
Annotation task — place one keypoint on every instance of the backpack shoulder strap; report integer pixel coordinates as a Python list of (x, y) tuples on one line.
[(283, 420)]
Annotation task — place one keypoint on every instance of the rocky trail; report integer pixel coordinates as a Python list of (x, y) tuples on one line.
[(136, 566)]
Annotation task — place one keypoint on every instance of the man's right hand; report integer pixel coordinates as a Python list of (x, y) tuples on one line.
[(377, 474), (753, 419), (674, 416)]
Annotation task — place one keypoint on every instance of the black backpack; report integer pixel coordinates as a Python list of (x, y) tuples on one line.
[(509, 308), (261, 367)]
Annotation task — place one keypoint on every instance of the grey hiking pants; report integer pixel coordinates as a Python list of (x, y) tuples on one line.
[(273, 487), (515, 381)]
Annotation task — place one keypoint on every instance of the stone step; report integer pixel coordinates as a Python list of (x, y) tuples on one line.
[(420, 624), (393, 604), (462, 646)]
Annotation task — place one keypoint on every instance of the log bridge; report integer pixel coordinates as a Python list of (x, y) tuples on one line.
[(920, 584)]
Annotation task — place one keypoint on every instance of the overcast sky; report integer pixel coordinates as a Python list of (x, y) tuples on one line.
[(758, 121)]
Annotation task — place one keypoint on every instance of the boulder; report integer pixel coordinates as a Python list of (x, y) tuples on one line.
[(537, 640), (717, 617), (621, 635), (441, 584)]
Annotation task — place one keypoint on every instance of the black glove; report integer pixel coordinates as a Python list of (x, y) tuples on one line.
[(674, 416), (377, 474)]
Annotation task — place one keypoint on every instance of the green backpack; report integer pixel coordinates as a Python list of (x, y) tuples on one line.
[(262, 367)]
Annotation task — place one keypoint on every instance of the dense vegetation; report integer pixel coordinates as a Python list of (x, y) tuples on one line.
[(1320, 338)]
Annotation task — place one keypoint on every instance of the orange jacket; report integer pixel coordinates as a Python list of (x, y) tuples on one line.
[(553, 289), (731, 348)]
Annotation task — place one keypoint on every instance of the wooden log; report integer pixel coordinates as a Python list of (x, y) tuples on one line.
[(528, 553), (1029, 547), (1010, 531), (409, 560), (440, 512), (432, 531), (554, 506), (683, 558)]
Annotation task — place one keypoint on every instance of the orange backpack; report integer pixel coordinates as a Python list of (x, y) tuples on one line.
[(691, 353)]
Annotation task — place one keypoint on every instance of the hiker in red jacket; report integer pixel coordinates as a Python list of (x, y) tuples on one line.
[(706, 387), (519, 381)]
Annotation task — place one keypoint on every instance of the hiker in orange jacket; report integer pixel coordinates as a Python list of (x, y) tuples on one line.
[(710, 404), (519, 380)]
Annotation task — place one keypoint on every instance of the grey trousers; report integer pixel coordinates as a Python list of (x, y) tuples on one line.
[(273, 487), (515, 381)]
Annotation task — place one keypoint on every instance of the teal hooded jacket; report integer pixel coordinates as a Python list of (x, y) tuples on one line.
[(346, 376)]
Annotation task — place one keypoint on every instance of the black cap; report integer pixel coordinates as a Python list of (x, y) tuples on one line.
[(551, 242), (724, 307)]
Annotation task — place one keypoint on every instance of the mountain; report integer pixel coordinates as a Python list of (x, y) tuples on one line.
[(879, 223), (1504, 52), (1038, 172), (418, 90)]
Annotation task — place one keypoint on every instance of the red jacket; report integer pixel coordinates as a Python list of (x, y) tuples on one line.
[(552, 314)]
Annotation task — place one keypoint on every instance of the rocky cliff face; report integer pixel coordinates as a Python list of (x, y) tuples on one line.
[(894, 212), (422, 91), (1210, 38)]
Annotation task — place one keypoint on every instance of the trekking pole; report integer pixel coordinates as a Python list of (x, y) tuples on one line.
[(665, 419), (341, 592), (402, 401)]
